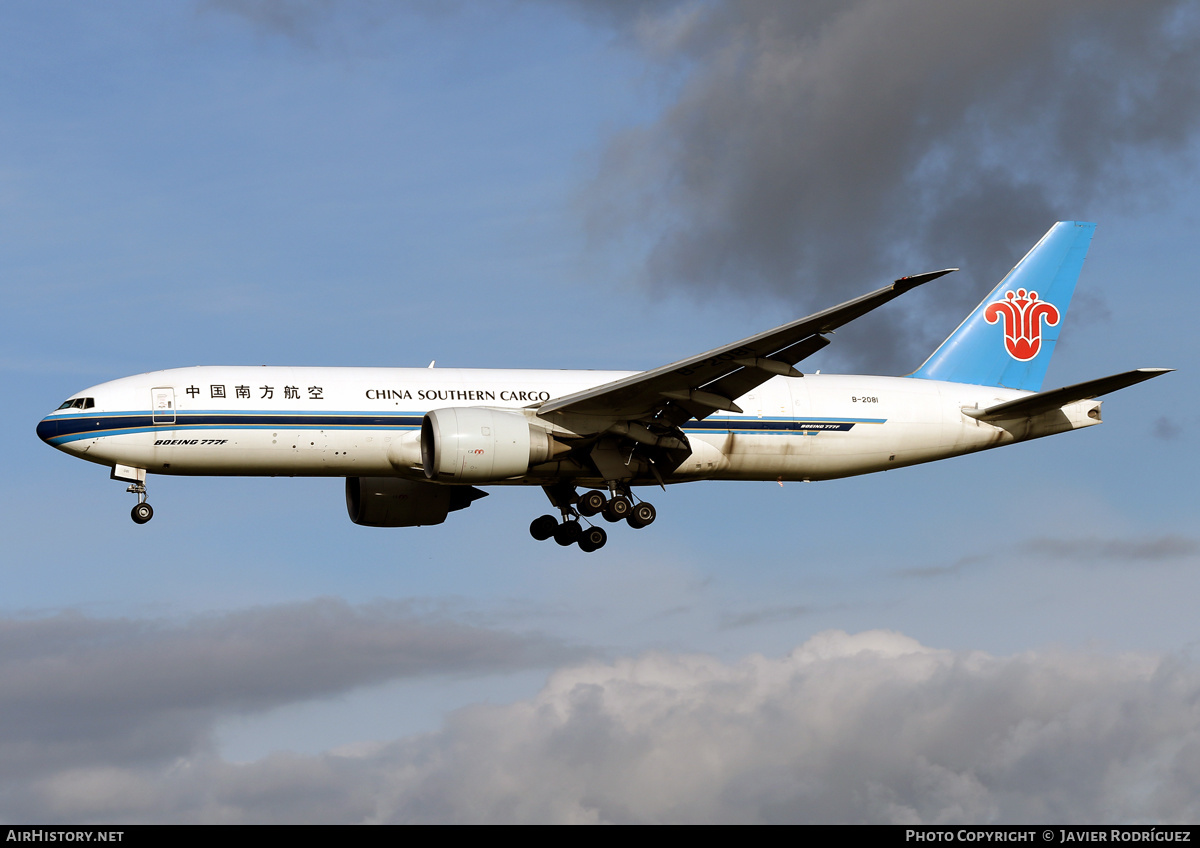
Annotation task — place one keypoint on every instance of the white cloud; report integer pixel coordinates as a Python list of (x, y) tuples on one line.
[(873, 727)]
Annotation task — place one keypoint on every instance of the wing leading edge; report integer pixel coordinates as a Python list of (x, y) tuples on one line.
[(701, 385)]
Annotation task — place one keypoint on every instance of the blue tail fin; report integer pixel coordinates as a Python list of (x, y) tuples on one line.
[(1009, 338)]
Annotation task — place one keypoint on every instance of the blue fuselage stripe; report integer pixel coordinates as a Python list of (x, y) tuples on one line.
[(72, 428)]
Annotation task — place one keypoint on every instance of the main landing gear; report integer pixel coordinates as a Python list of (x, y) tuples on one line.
[(571, 531)]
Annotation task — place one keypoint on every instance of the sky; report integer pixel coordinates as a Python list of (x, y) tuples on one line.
[(1006, 637)]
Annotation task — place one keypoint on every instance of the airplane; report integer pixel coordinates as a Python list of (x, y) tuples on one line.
[(415, 444)]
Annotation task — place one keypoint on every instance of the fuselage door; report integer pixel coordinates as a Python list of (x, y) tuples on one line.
[(162, 406)]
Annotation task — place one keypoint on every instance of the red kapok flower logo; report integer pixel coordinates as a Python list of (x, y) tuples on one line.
[(1022, 316)]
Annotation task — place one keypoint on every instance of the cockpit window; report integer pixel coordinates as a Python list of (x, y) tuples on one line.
[(78, 403)]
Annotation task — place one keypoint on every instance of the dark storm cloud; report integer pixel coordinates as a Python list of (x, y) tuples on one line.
[(812, 151), (76, 690), (815, 150), (872, 727)]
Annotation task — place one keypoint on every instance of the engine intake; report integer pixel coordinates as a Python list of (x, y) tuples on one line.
[(468, 444)]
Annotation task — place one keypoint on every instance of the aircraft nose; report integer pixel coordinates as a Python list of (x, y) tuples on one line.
[(47, 429)]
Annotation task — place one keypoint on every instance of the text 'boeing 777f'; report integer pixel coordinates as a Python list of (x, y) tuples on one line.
[(414, 444)]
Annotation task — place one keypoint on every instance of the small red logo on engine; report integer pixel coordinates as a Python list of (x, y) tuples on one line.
[(1022, 316)]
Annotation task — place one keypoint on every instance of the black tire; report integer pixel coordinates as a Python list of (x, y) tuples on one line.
[(542, 528), (590, 503), (567, 533), (141, 513), (643, 515), (617, 509), (592, 539)]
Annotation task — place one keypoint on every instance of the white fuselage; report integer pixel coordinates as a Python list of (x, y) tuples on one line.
[(362, 422)]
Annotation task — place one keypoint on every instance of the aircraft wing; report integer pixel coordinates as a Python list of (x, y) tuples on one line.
[(700, 385), (1058, 398)]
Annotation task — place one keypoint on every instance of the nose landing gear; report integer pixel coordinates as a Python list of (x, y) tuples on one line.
[(136, 477), (142, 511)]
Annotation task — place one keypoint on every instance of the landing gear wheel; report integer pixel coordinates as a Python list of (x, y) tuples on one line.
[(541, 528), (592, 539), (618, 508), (642, 515), (567, 533), (141, 513), (591, 503)]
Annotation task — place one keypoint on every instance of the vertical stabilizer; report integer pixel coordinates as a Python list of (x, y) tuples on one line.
[(1009, 338)]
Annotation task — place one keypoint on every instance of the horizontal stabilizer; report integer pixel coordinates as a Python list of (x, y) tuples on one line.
[(1058, 398)]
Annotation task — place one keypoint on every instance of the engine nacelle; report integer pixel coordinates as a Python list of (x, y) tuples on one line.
[(470, 444), (394, 502)]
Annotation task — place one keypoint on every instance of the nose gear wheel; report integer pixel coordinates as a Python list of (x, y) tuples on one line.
[(142, 512)]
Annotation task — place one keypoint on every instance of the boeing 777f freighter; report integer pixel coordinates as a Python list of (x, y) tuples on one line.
[(416, 444)]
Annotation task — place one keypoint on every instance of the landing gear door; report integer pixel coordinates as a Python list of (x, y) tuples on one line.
[(162, 406)]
